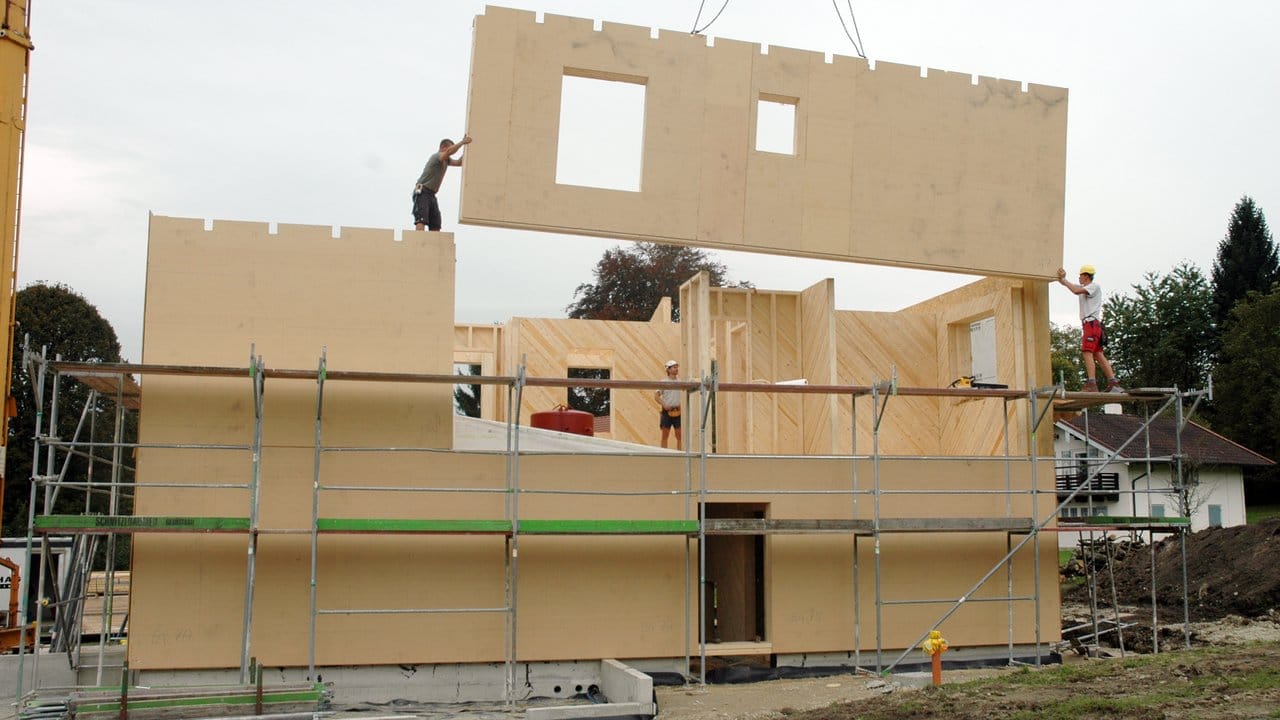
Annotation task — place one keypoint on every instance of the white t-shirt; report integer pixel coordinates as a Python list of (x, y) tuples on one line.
[(1091, 302), (670, 398)]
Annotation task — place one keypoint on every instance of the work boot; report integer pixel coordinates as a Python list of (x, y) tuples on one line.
[(1113, 386), (1090, 385)]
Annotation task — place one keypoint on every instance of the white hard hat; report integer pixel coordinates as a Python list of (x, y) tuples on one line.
[(672, 363)]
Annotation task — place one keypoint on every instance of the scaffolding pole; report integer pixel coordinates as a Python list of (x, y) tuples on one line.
[(707, 389)]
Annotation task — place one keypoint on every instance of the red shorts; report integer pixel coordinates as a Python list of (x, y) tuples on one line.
[(1093, 337)]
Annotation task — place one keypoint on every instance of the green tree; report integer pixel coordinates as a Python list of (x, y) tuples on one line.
[(466, 397), (60, 319), (1064, 341), (1246, 380), (631, 281), (1246, 260), (1162, 335)]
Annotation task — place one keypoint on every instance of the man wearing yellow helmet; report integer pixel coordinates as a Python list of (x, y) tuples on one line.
[(1093, 337)]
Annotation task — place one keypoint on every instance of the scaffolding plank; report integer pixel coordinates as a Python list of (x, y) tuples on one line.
[(1075, 401), (1128, 527), (138, 523), (112, 386), (608, 527), (410, 526), (955, 524), (1125, 520), (211, 702), (76, 368), (783, 526)]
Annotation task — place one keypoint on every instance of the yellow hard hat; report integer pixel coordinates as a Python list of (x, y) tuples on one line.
[(1087, 270)]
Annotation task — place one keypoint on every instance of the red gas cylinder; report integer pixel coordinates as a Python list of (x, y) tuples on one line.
[(562, 419)]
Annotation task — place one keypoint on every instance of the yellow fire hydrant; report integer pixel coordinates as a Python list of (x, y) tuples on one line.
[(934, 647)]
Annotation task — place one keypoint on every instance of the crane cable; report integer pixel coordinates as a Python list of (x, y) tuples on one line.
[(857, 44), (698, 30)]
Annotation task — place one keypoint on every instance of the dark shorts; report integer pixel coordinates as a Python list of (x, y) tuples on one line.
[(668, 421), (1093, 337), (426, 211)]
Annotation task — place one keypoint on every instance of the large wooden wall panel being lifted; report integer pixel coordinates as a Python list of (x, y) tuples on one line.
[(948, 171)]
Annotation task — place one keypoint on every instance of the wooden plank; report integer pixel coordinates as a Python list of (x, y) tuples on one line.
[(957, 524), (739, 648), (608, 527), (112, 386), (413, 526), (1075, 401), (783, 526), (139, 524), (1126, 520)]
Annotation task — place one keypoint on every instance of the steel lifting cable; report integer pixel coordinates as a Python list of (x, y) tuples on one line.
[(697, 17), (857, 44), (697, 30), (854, 20)]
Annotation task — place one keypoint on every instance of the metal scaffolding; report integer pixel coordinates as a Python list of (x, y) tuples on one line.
[(115, 380)]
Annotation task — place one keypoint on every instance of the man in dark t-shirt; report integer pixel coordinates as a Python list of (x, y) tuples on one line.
[(426, 210)]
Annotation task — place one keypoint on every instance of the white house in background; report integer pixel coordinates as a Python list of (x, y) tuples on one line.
[(1131, 485)]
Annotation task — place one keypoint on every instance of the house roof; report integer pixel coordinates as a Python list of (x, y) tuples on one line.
[(1199, 443)]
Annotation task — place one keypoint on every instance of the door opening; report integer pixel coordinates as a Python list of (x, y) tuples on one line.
[(734, 608)]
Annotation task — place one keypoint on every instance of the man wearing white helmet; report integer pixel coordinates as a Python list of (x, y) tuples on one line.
[(1093, 337), (669, 400)]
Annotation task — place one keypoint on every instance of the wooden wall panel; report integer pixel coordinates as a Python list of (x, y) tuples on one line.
[(809, 583), (872, 346), (631, 589), (631, 351), (975, 427), (290, 293), (818, 357), (946, 172), (775, 357)]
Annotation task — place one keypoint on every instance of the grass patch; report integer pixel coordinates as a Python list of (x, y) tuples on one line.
[(1045, 677), (1064, 556), (1264, 679), (1077, 707), (1254, 514)]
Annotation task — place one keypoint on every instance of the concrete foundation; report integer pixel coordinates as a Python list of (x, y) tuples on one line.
[(53, 673), (442, 683)]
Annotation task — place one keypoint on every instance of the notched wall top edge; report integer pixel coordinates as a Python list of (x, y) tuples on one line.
[(312, 232), (638, 33)]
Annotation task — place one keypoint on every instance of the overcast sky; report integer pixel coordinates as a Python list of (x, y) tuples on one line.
[(323, 112)]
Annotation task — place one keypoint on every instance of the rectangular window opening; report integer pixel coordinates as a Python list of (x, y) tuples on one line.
[(776, 124), (601, 140), (982, 349), (466, 397), (588, 399), (1215, 516)]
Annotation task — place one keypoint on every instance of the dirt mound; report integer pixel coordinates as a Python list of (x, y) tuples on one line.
[(1212, 683), (1230, 571)]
